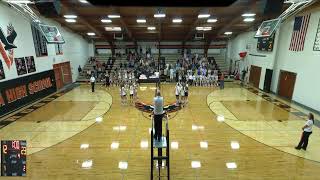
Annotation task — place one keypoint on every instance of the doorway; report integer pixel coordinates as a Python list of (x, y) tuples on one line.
[(286, 84), (63, 75), (267, 80), (255, 73)]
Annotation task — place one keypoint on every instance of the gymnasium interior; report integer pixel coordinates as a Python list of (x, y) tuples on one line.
[(236, 81)]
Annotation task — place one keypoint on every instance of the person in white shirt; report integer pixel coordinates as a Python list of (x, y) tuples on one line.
[(158, 114), (178, 89), (307, 131), (135, 91), (131, 91), (123, 95), (171, 74), (92, 80)]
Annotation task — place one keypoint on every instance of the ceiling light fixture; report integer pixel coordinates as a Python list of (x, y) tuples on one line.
[(114, 16), (248, 14), (84, 1), (151, 28), (106, 20), (212, 20), (228, 33), (141, 21), (177, 20), (70, 16), (199, 28), (71, 20), (203, 15), (159, 15), (113, 28), (91, 34), (248, 19)]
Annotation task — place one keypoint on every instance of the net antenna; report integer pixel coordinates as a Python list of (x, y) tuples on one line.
[(268, 28)]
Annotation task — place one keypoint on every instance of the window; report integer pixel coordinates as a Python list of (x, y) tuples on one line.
[(40, 42), (59, 49)]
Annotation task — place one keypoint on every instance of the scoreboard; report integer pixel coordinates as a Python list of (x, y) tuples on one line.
[(265, 43), (13, 158)]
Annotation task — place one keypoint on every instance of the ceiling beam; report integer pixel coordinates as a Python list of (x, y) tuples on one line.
[(189, 34), (124, 25), (239, 18), (160, 30), (194, 25)]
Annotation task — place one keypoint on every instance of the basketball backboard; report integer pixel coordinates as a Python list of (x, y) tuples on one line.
[(267, 28)]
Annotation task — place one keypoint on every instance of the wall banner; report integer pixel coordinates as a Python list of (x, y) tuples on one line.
[(19, 92)]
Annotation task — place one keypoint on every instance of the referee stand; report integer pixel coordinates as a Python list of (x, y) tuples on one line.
[(163, 144)]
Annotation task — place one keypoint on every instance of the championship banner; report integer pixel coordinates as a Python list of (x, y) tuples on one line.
[(19, 92)]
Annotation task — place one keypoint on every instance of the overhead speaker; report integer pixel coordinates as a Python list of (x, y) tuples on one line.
[(272, 7), (49, 8)]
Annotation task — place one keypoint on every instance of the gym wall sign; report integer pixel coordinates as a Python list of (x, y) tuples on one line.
[(6, 45), (19, 92)]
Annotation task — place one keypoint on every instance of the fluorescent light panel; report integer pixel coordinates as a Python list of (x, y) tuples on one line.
[(70, 20), (248, 19), (114, 16), (113, 28), (212, 20), (248, 14), (84, 1), (70, 16), (228, 33), (159, 15), (151, 28), (141, 21), (199, 28), (203, 15), (177, 20), (106, 20)]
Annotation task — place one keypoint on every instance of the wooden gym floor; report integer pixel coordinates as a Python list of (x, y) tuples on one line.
[(235, 133)]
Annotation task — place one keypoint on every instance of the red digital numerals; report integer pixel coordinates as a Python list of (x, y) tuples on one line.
[(15, 145)]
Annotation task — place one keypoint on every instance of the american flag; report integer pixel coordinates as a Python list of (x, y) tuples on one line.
[(300, 28)]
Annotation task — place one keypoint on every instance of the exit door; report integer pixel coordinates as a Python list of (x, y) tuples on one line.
[(286, 84)]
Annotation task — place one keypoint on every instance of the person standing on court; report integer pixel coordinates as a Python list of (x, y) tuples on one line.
[(222, 81), (158, 115), (307, 131), (93, 81)]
